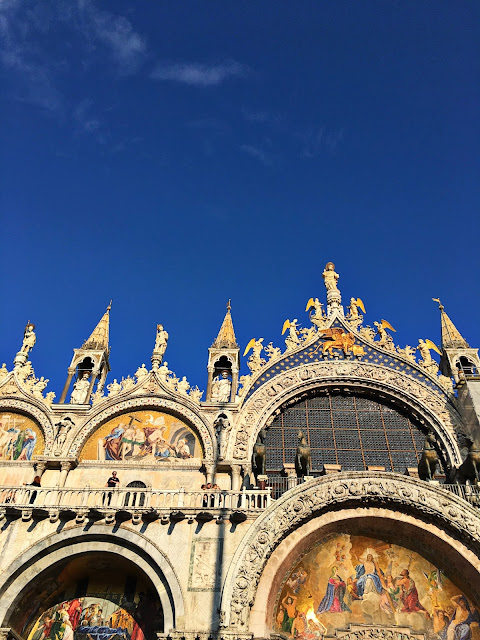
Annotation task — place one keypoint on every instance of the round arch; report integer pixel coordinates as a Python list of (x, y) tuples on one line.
[(451, 526), (198, 423), (32, 411), (429, 406), (128, 544)]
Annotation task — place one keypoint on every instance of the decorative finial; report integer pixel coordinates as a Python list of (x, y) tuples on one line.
[(440, 305), (109, 306), (229, 306)]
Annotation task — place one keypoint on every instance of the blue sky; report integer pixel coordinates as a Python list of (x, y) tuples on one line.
[(172, 155)]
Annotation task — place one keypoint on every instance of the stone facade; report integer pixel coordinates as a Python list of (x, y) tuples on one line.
[(211, 562)]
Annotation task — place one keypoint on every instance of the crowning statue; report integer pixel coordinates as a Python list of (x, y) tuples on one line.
[(292, 340), (221, 388), (29, 338), (161, 340), (80, 390), (428, 363), (255, 361), (334, 298)]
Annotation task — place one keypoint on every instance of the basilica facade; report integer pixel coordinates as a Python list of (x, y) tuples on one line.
[(330, 493)]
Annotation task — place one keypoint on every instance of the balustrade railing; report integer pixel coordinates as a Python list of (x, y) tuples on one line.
[(469, 492), (132, 499)]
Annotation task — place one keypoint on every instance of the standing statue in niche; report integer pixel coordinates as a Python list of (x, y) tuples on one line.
[(222, 426), (161, 341), (221, 388), (29, 338), (80, 390), (63, 428), (330, 277)]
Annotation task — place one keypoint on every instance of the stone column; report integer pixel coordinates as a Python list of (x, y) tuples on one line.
[(233, 392), (65, 468), (289, 468), (67, 385), (208, 395), (236, 477), (210, 472), (95, 373), (40, 468)]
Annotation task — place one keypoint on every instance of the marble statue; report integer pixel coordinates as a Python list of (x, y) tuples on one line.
[(172, 382), (39, 387), (427, 361), (292, 340), (141, 373), (221, 388), (98, 396), (127, 383), (408, 353), (49, 397), (446, 383), (161, 340), (330, 278), (163, 371), (222, 426), (272, 352), (245, 382), (183, 386), (367, 333), (3, 371), (80, 390), (195, 394), (29, 339), (114, 388), (63, 428), (255, 361)]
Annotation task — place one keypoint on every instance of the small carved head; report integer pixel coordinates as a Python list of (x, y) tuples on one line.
[(330, 266)]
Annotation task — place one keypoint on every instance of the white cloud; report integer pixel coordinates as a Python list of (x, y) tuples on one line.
[(199, 75)]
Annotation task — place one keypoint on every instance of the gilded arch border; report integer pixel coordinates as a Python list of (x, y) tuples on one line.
[(171, 406), (125, 542), (30, 409), (433, 407), (349, 490)]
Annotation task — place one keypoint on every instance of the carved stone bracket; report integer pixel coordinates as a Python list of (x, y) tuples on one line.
[(351, 490), (260, 407)]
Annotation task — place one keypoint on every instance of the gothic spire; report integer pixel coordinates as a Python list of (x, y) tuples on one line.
[(451, 336), (99, 336), (226, 335)]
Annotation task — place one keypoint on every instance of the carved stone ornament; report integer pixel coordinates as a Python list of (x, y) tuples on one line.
[(205, 431), (432, 403), (376, 632), (352, 490)]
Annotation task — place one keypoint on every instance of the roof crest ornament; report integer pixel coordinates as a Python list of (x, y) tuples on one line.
[(334, 297)]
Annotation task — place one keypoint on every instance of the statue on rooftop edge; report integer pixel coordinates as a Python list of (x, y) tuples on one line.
[(80, 390), (255, 362), (3, 371), (141, 373), (330, 277), (292, 340), (29, 338), (355, 304), (161, 340)]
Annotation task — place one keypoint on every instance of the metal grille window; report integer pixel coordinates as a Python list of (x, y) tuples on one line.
[(352, 431)]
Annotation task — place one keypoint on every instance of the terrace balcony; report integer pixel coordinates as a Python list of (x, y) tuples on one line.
[(132, 504)]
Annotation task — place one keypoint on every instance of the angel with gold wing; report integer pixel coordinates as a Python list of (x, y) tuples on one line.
[(355, 304)]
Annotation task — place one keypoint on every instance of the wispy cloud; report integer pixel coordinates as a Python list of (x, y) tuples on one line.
[(199, 75), (26, 52), (82, 116), (265, 157), (127, 48)]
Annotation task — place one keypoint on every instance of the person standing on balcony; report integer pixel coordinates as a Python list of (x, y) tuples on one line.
[(35, 483), (113, 482)]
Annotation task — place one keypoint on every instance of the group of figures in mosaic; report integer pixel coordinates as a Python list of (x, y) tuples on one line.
[(354, 579)]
